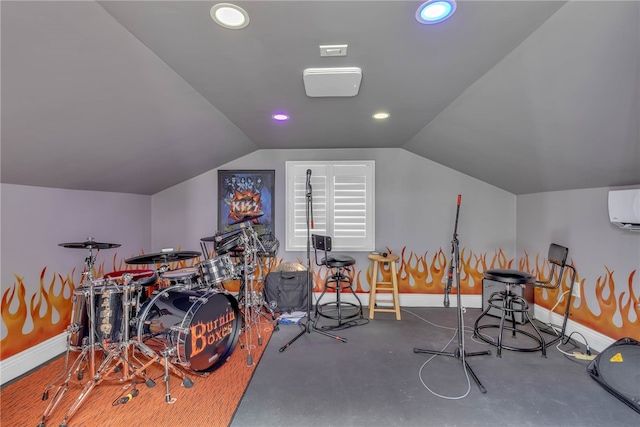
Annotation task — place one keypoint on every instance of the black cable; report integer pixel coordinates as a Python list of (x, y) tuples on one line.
[(585, 341), (346, 325), (126, 398)]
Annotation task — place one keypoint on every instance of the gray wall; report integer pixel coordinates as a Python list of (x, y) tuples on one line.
[(579, 220), (36, 219), (415, 205)]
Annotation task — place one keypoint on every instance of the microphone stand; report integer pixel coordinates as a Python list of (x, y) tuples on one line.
[(309, 326), (459, 352)]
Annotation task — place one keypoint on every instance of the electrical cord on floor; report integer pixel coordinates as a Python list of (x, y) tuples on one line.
[(556, 330), (464, 365), (346, 325), (122, 399), (466, 330)]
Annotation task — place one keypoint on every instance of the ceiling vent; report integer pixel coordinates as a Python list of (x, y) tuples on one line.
[(331, 82)]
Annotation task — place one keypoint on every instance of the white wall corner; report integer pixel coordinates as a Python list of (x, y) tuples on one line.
[(23, 362)]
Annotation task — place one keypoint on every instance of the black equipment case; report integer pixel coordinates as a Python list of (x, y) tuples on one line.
[(286, 291)]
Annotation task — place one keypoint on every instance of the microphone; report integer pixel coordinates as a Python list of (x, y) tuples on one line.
[(309, 195), (129, 396), (447, 288)]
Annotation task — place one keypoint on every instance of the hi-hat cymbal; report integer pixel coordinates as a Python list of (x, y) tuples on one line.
[(89, 244), (218, 237), (246, 219), (163, 257)]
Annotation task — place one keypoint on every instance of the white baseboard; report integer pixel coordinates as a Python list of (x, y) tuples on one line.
[(596, 340), (29, 359), (406, 300)]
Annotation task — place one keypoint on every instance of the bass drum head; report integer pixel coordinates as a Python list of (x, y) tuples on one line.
[(202, 326)]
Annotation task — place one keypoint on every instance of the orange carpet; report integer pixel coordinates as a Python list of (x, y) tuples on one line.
[(212, 401)]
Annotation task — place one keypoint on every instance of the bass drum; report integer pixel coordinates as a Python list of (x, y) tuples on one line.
[(202, 326)]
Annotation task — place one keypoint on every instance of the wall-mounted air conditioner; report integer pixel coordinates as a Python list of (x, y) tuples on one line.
[(624, 209)]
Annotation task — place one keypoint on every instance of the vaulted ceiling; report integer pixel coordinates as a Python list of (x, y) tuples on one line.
[(127, 96)]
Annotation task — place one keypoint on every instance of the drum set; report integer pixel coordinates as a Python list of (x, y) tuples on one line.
[(182, 319)]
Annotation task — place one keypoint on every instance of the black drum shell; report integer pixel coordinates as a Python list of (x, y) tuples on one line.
[(203, 326), (108, 315)]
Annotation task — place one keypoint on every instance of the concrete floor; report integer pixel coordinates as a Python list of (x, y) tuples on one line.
[(376, 379)]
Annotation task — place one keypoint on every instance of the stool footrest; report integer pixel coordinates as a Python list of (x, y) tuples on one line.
[(339, 316)]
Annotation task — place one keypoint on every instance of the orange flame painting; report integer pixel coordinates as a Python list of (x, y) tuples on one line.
[(48, 312)]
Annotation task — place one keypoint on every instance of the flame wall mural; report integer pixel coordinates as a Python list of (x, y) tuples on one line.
[(49, 309)]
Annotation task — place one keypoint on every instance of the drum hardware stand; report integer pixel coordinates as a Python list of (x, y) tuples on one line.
[(459, 352), (251, 299), (122, 356), (61, 390), (309, 326), (87, 351)]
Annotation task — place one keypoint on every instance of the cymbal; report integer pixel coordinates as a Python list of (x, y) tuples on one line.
[(89, 244), (218, 237), (163, 257), (246, 219)]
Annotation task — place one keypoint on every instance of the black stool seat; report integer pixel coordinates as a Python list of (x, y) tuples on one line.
[(338, 261), (515, 277), (508, 303)]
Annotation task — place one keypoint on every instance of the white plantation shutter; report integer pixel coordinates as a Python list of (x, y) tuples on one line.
[(342, 204)]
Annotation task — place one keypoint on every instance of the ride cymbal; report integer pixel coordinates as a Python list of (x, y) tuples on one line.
[(89, 244), (163, 257)]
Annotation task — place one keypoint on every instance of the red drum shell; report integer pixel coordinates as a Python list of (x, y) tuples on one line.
[(143, 277)]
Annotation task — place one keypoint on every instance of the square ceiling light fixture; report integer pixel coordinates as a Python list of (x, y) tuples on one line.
[(332, 82)]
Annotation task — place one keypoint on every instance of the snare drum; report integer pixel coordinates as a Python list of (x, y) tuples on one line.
[(201, 326), (188, 278), (215, 270)]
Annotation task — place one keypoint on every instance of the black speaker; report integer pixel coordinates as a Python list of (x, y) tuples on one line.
[(617, 369)]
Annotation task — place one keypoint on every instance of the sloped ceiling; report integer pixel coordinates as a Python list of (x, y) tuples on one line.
[(135, 97)]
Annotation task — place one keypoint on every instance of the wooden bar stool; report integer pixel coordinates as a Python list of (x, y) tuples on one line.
[(388, 286)]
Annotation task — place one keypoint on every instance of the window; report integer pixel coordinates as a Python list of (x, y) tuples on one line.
[(342, 204)]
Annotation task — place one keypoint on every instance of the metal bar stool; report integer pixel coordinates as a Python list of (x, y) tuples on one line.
[(337, 281), (509, 303)]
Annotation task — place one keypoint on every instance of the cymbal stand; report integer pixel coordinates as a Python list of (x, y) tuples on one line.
[(252, 300), (62, 388), (89, 262), (87, 350)]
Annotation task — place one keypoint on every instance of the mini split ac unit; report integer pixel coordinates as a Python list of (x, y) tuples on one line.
[(624, 209)]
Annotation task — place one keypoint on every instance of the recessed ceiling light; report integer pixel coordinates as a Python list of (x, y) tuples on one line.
[(381, 116), (435, 11), (229, 16), (281, 117)]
